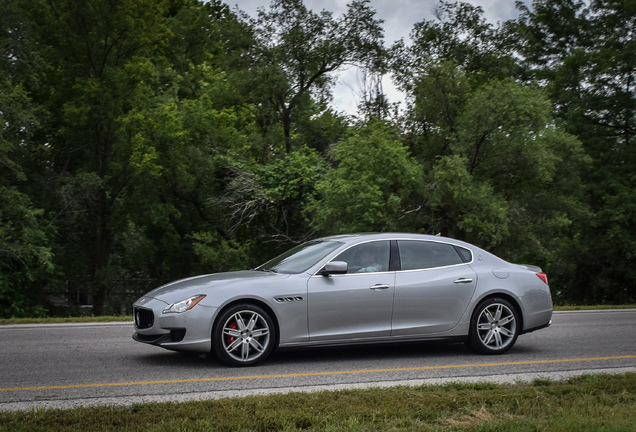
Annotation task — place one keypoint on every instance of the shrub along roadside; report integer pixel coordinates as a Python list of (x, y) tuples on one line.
[(598, 402)]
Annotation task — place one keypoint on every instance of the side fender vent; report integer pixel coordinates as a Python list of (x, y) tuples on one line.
[(288, 299)]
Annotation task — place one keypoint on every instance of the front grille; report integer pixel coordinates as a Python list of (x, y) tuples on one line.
[(144, 318)]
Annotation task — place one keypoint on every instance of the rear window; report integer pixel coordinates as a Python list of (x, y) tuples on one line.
[(465, 254), (417, 255)]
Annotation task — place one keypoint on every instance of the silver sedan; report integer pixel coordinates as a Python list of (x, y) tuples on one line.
[(367, 288)]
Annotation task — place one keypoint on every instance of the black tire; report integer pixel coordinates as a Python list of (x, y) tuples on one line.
[(494, 327), (243, 335)]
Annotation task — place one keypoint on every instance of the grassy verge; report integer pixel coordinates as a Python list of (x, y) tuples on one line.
[(61, 320), (93, 319), (604, 307), (591, 403)]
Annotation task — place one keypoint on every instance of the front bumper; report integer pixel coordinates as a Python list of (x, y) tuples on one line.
[(175, 335), (187, 331)]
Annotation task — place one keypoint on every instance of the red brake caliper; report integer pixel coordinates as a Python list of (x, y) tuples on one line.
[(230, 339)]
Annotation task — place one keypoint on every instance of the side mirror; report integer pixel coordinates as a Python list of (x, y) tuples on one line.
[(334, 267)]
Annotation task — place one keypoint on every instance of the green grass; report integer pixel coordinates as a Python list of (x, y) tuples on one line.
[(82, 319), (591, 403), (94, 319), (602, 307)]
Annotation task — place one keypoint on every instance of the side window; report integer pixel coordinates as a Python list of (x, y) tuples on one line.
[(465, 254), (415, 255), (367, 257)]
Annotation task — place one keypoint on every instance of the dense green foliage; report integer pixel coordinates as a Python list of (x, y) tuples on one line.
[(144, 141)]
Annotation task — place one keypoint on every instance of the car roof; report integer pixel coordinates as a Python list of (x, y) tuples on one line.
[(357, 237), (348, 240)]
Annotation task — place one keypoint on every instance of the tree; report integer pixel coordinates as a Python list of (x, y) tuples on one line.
[(90, 50), (177, 153), (582, 52), (26, 257), (298, 52), (459, 35), (370, 187), (499, 181), (265, 204), (447, 59), (499, 171), (459, 205)]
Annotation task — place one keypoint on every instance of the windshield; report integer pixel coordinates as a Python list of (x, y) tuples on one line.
[(300, 258)]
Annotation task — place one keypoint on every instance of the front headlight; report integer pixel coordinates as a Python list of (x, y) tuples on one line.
[(184, 305)]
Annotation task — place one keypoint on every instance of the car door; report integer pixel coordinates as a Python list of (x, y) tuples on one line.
[(432, 289), (357, 304)]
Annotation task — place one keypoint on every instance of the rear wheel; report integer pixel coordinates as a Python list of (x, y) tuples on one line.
[(243, 335), (494, 327)]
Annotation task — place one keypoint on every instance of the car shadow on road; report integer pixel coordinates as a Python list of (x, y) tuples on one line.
[(397, 355), (401, 351)]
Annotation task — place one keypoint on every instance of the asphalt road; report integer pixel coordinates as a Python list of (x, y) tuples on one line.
[(64, 366)]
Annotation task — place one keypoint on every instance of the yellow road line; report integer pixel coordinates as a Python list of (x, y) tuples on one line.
[(309, 374)]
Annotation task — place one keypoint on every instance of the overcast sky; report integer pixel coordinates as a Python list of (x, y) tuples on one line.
[(399, 17)]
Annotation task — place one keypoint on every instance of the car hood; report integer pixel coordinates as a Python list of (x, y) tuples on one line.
[(184, 288)]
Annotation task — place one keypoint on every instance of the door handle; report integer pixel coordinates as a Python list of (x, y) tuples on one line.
[(463, 281), (380, 287)]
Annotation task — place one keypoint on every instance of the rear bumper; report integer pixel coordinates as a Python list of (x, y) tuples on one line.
[(537, 328)]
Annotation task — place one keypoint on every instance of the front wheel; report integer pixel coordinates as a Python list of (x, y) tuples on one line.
[(494, 327), (243, 335)]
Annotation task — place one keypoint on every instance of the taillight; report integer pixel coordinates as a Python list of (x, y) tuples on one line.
[(543, 277)]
